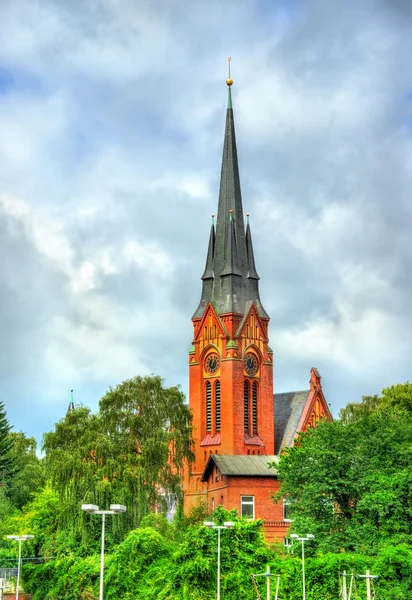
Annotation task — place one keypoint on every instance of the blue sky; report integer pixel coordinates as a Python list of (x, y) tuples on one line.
[(112, 117)]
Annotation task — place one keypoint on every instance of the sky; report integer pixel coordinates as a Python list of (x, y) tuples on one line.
[(112, 117)]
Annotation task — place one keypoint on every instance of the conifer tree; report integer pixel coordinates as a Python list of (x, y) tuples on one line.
[(7, 461)]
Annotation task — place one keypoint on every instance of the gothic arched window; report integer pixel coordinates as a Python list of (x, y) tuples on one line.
[(208, 406), (217, 405), (255, 408), (246, 405)]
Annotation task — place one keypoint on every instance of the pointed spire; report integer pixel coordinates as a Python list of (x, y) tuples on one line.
[(208, 273), (230, 197), (231, 266), (251, 268), (71, 403), (230, 279)]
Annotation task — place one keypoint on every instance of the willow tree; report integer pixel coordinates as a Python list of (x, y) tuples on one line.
[(131, 452)]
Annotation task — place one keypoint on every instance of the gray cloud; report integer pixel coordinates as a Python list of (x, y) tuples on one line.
[(112, 123)]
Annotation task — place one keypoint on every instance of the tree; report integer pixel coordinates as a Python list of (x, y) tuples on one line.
[(30, 476), (131, 452), (349, 482), (395, 400), (8, 466)]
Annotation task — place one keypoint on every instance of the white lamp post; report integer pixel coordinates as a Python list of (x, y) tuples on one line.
[(20, 539), (92, 509), (308, 537), (211, 525)]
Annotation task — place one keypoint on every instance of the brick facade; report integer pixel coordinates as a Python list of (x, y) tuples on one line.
[(231, 386)]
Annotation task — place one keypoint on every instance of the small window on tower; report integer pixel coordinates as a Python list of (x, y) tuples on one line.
[(247, 506)]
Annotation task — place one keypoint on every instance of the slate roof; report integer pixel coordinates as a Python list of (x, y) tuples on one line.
[(230, 278), (288, 410), (241, 465)]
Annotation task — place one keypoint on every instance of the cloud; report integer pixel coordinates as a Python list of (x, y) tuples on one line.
[(112, 118)]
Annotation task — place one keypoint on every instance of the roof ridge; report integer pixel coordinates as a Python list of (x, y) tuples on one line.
[(292, 392)]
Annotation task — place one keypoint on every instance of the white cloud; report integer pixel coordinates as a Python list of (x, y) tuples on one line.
[(112, 122)]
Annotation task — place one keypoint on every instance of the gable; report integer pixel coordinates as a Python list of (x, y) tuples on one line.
[(316, 409), (210, 327), (251, 327)]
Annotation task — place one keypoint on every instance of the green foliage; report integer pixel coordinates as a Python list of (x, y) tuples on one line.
[(158, 522), (8, 466), (147, 565), (350, 481), (67, 577), (395, 400), (131, 452), (30, 476), (38, 518), (394, 568), (127, 572)]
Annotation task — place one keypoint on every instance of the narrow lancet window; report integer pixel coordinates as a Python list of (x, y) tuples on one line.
[(246, 405), (254, 408), (217, 405), (208, 407)]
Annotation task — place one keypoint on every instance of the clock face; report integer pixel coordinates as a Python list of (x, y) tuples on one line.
[(212, 363), (251, 364)]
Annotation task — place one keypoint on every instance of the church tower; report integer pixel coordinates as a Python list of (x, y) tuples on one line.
[(230, 361)]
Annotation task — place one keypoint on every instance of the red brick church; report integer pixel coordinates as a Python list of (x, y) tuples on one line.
[(239, 424)]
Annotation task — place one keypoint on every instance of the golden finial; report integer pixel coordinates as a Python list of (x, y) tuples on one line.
[(229, 81)]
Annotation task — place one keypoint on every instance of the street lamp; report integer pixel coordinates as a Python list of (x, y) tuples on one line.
[(211, 525), (92, 509), (20, 539), (308, 537)]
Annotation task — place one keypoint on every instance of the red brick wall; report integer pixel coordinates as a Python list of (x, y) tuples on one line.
[(228, 491), (212, 334)]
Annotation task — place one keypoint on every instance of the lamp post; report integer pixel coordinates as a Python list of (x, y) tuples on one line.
[(92, 509), (308, 537), (20, 539), (211, 525)]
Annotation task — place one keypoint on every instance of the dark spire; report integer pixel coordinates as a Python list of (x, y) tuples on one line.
[(230, 199), (251, 268), (231, 265), (230, 279), (71, 403), (209, 274)]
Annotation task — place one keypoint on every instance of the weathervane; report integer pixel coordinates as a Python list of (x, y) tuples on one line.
[(229, 81)]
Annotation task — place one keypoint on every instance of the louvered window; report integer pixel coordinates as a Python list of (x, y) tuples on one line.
[(246, 405), (217, 405), (208, 406), (254, 408)]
